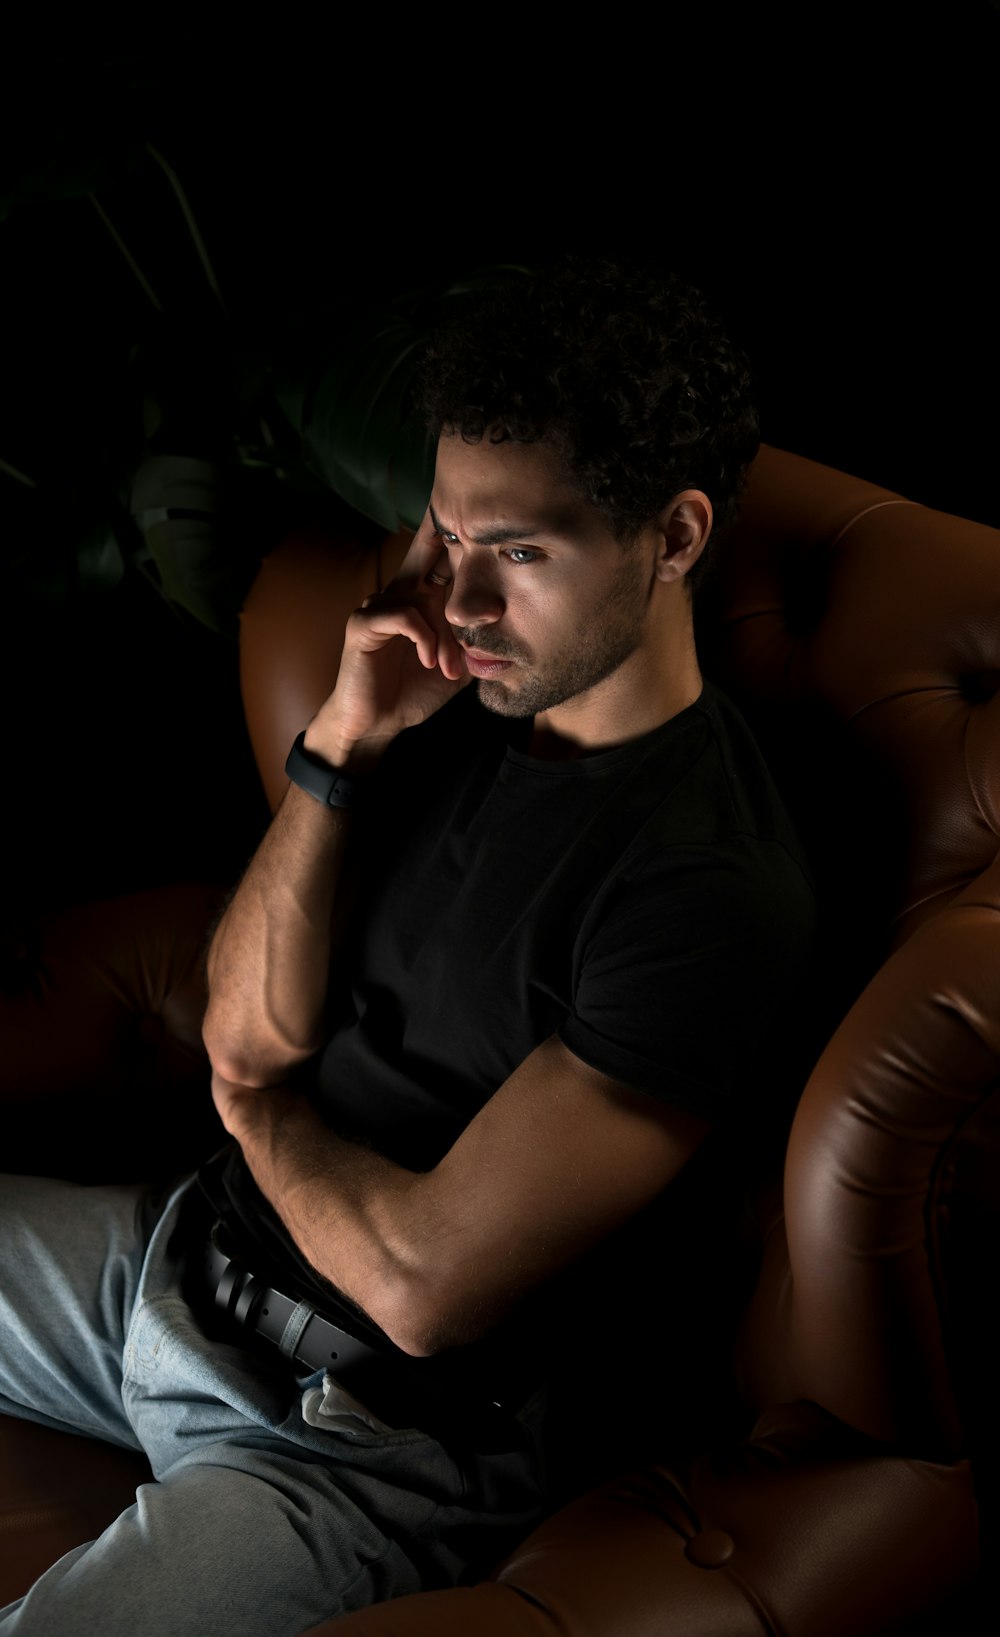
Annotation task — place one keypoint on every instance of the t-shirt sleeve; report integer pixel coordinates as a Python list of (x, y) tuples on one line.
[(688, 973)]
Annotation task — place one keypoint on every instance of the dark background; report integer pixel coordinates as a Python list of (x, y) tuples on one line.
[(830, 183)]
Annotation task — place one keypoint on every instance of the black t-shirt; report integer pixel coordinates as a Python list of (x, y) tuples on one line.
[(647, 904)]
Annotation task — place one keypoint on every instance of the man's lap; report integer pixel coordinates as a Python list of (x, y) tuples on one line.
[(254, 1505), (70, 1268)]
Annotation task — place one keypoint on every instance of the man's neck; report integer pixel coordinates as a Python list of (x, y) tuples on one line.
[(557, 741)]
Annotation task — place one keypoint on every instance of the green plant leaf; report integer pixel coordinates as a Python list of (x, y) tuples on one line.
[(54, 551), (354, 420), (353, 411), (100, 561), (178, 503)]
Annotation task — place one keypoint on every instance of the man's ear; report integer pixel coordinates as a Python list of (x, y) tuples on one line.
[(684, 527)]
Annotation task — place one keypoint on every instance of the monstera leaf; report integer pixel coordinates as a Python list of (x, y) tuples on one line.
[(352, 409), (189, 466), (355, 427)]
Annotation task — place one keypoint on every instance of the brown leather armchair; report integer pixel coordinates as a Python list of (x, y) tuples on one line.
[(861, 634)]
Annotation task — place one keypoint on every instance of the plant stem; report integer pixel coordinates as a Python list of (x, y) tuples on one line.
[(126, 252)]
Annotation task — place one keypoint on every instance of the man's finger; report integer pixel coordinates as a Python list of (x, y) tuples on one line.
[(425, 548), (371, 627)]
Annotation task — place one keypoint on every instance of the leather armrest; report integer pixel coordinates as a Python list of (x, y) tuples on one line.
[(56, 1492), (805, 1529), (103, 1075)]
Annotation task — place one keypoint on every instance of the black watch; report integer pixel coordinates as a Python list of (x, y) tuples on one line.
[(328, 784)]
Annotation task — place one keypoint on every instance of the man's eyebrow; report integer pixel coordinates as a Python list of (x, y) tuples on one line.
[(490, 537)]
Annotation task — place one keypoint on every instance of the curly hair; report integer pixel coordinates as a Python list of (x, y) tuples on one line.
[(628, 374)]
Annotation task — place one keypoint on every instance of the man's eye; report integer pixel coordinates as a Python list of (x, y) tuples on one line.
[(521, 556)]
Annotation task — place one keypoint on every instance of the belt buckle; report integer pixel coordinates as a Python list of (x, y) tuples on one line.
[(235, 1290)]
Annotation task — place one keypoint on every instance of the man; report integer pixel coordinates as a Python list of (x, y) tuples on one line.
[(518, 941)]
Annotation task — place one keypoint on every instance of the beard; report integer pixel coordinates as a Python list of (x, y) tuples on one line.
[(609, 637)]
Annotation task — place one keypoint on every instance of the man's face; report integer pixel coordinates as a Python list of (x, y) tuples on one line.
[(544, 600)]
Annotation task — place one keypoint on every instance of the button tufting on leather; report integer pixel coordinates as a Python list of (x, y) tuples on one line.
[(710, 1550), (151, 1029), (979, 686)]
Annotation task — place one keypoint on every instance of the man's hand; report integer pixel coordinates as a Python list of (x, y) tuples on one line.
[(400, 662)]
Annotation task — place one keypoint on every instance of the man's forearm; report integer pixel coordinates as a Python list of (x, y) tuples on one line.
[(350, 1211), (557, 1158), (268, 965)]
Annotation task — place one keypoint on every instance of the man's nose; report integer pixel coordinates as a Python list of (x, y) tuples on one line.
[(474, 597)]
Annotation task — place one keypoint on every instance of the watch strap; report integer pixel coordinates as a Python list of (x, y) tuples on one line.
[(312, 774)]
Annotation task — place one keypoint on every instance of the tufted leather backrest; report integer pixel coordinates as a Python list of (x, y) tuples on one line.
[(861, 635), (881, 618)]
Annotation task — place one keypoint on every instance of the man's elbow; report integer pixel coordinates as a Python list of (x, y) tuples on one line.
[(423, 1334), (241, 1067), (255, 1062), (423, 1317)]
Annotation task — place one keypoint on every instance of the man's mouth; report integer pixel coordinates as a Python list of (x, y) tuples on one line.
[(483, 664)]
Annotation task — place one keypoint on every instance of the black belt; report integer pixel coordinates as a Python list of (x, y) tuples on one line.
[(296, 1328), (400, 1390)]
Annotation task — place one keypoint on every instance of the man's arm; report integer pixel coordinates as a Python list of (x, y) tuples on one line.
[(558, 1158), (269, 962), (269, 959)]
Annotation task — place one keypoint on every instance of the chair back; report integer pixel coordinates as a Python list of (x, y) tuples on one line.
[(860, 634)]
